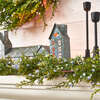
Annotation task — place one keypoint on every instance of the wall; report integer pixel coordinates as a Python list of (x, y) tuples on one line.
[(69, 12)]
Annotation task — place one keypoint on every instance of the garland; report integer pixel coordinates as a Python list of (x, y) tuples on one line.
[(15, 13), (6, 66), (49, 67), (42, 66)]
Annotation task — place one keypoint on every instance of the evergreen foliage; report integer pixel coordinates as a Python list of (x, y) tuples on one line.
[(14, 13)]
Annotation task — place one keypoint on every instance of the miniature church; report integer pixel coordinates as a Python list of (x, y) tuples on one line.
[(59, 41), (59, 45)]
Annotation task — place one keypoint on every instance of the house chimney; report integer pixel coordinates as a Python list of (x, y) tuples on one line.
[(1, 37), (7, 43)]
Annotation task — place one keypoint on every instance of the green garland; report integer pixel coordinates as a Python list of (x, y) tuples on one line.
[(95, 92), (6, 66), (48, 67), (14, 13)]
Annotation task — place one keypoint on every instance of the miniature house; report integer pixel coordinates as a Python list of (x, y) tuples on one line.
[(59, 41), (6, 48), (59, 45)]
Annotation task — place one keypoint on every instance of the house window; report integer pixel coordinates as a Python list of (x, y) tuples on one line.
[(59, 42), (53, 42), (60, 55), (59, 49), (56, 34), (53, 51)]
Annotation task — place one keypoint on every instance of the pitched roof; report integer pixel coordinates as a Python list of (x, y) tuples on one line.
[(27, 51), (18, 51), (62, 28), (47, 48)]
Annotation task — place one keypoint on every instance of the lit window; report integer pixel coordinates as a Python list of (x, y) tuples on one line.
[(59, 49), (59, 54), (59, 42)]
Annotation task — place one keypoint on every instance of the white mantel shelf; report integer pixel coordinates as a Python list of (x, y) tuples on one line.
[(9, 91)]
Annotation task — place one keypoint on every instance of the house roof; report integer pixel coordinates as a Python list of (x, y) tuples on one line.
[(18, 51), (62, 28), (47, 48), (27, 51)]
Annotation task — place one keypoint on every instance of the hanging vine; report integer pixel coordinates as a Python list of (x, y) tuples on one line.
[(15, 13)]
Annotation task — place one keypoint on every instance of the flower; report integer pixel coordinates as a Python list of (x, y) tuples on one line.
[(27, 65), (66, 64), (94, 58), (94, 66), (54, 70), (73, 81), (65, 75), (77, 69), (70, 84), (89, 77), (31, 57), (16, 66), (65, 60), (92, 83), (93, 70), (58, 68), (30, 74), (80, 76), (20, 59), (72, 62), (61, 67), (39, 64), (98, 83), (36, 81), (84, 74), (46, 55), (15, 59), (74, 75), (9, 62), (37, 71)]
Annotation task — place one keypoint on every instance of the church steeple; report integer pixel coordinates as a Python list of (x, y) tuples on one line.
[(7, 43)]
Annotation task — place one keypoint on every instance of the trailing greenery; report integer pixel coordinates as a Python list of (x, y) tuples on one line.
[(14, 13), (40, 67), (95, 92), (7, 66), (49, 67)]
